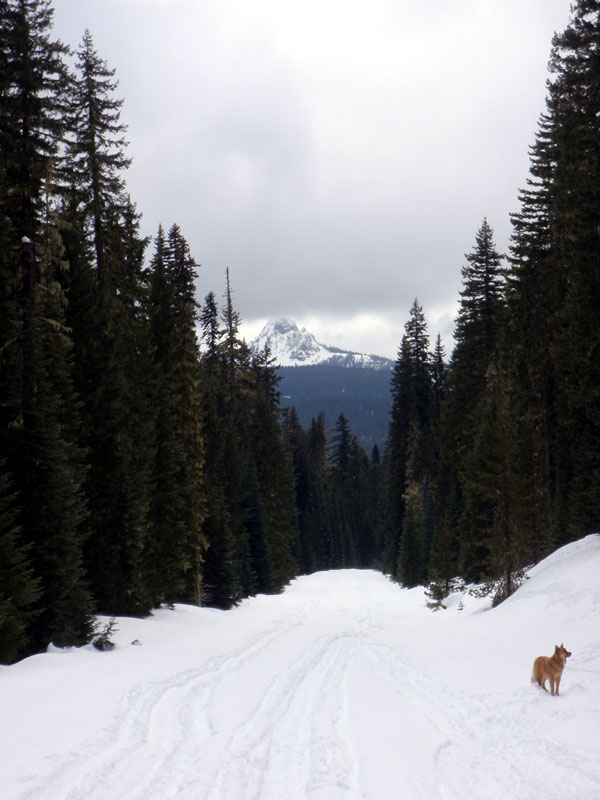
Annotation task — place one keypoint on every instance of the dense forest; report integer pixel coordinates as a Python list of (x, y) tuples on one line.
[(144, 455)]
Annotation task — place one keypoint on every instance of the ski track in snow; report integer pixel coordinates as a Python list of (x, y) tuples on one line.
[(285, 714)]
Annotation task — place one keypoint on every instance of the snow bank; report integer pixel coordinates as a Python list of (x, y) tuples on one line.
[(344, 686)]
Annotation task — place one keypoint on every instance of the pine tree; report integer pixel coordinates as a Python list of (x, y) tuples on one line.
[(477, 332), (187, 372), (112, 345), (19, 590), (209, 322), (411, 389), (343, 539), (97, 150), (274, 468), (222, 582), (413, 552), (574, 95), (554, 292), (534, 294), (321, 513), (439, 376), (176, 542), (39, 406), (118, 425), (490, 546), (307, 493), (234, 351), (373, 547)]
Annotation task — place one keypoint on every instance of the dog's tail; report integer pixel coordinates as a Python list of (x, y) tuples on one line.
[(534, 678)]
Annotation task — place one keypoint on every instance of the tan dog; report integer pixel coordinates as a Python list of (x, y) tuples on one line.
[(545, 667)]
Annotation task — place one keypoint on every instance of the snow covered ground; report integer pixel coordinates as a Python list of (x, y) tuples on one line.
[(344, 686)]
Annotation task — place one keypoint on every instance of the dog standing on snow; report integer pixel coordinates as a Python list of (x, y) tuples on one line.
[(545, 667)]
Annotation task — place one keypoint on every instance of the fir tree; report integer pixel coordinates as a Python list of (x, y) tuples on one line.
[(307, 493), (413, 552), (96, 156), (411, 410), (477, 332), (533, 297), (274, 470), (176, 541), (341, 458), (574, 100), (553, 296), (316, 442), (39, 406), (19, 590), (112, 345)]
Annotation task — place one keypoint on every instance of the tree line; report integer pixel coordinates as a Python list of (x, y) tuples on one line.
[(495, 462), (144, 454)]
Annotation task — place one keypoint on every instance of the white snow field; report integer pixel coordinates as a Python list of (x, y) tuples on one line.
[(344, 686)]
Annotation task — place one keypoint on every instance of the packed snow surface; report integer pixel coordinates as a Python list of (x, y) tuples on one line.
[(344, 686)]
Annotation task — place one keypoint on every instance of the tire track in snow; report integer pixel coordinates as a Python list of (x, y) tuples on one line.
[(477, 750), (296, 743), (148, 750)]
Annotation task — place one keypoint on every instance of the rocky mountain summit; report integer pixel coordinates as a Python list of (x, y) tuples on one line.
[(295, 347)]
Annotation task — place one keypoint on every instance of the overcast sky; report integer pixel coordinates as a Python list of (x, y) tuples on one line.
[(338, 156)]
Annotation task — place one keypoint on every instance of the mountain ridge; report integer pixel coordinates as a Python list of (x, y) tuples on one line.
[(291, 346)]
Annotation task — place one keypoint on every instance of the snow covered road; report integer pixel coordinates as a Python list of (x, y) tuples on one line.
[(345, 686)]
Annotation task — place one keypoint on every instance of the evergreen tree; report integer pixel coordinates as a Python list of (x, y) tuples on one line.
[(316, 442), (209, 322), (115, 384), (39, 407), (574, 99), (443, 564), (410, 422), (372, 546), (234, 525), (307, 497), (439, 376), (477, 332), (488, 545), (534, 295), (112, 346), (554, 291), (275, 475), (222, 582), (412, 556), (19, 590), (186, 372), (342, 478), (176, 542), (96, 153)]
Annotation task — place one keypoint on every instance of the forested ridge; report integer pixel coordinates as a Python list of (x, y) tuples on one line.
[(144, 455)]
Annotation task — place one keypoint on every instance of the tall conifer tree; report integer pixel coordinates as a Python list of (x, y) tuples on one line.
[(477, 332), (175, 542), (39, 406), (111, 335), (410, 424)]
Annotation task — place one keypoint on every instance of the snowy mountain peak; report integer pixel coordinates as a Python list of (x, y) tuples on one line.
[(291, 346)]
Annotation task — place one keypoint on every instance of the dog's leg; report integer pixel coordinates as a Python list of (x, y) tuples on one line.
[(557, 683)]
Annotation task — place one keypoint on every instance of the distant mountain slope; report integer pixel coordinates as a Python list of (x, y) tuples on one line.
[(320, 378), (362, 395), (292, 347)]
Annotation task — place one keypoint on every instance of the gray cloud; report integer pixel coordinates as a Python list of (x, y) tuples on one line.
[(337, 156)]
